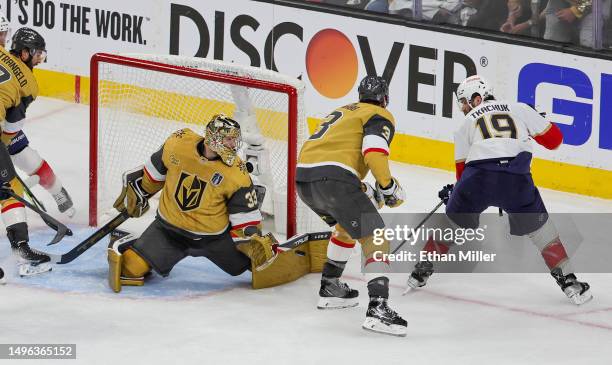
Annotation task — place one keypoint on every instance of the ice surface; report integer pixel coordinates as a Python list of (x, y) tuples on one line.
[(200, 315)]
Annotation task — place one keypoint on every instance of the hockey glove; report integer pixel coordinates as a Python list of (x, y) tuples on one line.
[(133, 197), (375, 197), (393, 194), (445, 193)]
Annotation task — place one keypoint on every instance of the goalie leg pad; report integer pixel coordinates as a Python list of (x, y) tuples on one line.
[(114, 270), (288, 266), (133, 266)]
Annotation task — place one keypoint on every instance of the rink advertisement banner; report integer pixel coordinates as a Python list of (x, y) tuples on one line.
[(331, 53), (495, 244)]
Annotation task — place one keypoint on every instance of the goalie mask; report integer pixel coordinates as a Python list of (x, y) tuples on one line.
[(223, 137)]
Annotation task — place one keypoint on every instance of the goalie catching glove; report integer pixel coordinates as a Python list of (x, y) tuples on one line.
[(393, 194), (134, 197)]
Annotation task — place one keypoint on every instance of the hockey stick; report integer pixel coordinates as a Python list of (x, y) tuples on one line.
[(418, 226), (61, 229), (31, 195), (90, 241)]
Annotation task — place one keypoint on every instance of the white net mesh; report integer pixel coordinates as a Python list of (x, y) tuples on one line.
[(139, 108)]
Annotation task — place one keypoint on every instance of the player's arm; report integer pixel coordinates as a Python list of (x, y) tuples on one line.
[(544, 132), (243, 208), (140, 184), (462, 148), (378, 133)]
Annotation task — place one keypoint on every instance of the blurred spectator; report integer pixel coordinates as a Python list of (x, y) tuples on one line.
[(490, 14), (430, 7), (571, 21), (519, 18), (379, 6)]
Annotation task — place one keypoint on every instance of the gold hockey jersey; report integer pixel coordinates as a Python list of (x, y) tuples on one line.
[(18, 88), (343, 140), (201, 196)]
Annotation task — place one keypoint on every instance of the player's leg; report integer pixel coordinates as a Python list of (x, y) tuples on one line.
[(30, 262), (157, 248), (39, 170), (222, 251), (463, 209), (333, 293), (528, 216), (358, 216)]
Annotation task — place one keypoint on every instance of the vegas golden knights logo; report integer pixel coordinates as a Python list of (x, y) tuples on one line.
[(189, 191)]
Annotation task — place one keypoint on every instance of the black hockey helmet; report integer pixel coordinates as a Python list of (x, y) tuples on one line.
[(374, 89), (27, 38)]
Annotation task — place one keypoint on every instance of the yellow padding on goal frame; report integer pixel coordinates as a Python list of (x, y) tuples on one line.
[(405, 148)]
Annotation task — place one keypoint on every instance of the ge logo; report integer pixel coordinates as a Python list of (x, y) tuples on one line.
[(354, 224), (4, 173)]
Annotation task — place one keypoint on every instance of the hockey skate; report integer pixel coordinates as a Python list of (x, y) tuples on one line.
[(578, 292), (2, 278), (64, 203), (418, 278), (335, 294), (380, 318), (30, 262)]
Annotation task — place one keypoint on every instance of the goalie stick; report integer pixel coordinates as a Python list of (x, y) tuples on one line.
[(90, 241)]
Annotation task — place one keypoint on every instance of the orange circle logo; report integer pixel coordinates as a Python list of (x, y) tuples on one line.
[(331, 63)]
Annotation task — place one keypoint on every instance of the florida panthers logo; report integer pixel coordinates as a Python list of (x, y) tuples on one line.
[(189, 191)]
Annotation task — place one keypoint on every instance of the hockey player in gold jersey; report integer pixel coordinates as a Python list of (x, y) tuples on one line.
[(207, 199), (23, 155), (353, 140), (18, 88)]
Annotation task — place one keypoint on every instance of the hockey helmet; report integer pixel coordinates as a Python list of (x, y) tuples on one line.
[(28, 38), (473, 85), (374, 88), (218, 131)]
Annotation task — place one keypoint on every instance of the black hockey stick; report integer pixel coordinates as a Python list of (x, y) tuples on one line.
[(90, 241), (31, 195), (60, 229), (418, 226)]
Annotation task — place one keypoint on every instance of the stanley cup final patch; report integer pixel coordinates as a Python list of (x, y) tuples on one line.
[(216, 179), (189, 191)]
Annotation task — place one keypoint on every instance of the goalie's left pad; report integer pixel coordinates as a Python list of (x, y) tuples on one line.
[(294, 259)]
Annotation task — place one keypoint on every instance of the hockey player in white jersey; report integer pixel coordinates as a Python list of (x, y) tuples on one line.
[(493, 151)]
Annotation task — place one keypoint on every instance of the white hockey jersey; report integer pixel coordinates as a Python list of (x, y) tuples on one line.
[(496, 129)]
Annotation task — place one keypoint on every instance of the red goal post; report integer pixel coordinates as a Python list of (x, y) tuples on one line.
[(161, 79)]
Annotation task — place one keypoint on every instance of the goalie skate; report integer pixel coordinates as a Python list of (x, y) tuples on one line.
[(382, 319), (335, 294)]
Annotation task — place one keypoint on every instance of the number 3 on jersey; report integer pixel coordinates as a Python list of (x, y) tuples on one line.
[(329, 120)]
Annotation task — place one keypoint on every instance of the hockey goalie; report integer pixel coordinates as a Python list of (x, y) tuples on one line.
[(207, 202)]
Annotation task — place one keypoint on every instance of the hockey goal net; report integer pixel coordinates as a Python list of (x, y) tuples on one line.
[(138, 100)]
